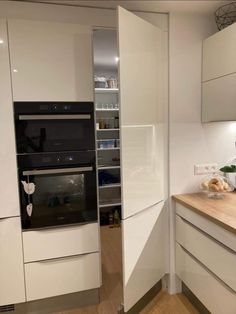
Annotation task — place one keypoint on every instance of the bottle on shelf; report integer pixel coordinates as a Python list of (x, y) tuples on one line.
[(116, 219), (111, 219)]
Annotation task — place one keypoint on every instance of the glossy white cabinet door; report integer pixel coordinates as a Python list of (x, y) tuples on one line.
[(141, 121), (8, 183), (12, 288), (61, 276), (219, 99), (142, 147), (144, 244), (213, 293), (219, 53), (58, 242), (50, 61)]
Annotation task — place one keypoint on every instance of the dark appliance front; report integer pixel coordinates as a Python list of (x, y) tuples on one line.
[(57, 189), (43, 127)]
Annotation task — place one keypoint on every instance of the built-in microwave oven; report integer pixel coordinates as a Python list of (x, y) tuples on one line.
[(57, 189), (43, 127)]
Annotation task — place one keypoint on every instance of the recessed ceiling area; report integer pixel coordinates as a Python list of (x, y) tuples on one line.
[(105, 50), (194, 6)]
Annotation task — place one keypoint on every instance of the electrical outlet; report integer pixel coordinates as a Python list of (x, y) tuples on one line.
[(205, 168)]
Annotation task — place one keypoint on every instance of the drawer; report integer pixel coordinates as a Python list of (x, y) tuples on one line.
[(216, 257), (216, 296), (58, 242), (222, 235), (55, 277)]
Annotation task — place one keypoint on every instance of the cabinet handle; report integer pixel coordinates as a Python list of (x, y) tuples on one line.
[(55, 117), (56, 171)]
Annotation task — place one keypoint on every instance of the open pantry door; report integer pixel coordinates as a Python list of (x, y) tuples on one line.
[(142, 149)]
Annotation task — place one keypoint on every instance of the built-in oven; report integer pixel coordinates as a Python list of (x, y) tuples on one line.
[(57, 189), (43, 127)]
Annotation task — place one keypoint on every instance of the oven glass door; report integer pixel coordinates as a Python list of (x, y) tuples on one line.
[(51, 197), (53, 133)]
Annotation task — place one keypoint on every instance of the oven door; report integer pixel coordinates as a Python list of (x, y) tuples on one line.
[(52, 197), (54, 132)]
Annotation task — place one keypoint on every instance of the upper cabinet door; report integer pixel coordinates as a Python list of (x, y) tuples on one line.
[(219, 54), (50, 61), (144, 217), (141, 120), (8, 184)]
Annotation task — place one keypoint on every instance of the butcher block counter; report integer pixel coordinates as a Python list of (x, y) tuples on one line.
[(220, 211)]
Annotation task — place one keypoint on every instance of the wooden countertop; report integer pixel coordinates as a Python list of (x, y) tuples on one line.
[(220, 211)]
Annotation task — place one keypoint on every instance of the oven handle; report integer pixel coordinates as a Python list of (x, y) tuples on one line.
[(55, 117), (56, 171)]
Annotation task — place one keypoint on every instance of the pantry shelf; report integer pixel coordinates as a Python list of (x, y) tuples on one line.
[(110, 204), (108, 167), (110, 186), (106, 90), (108, 130)]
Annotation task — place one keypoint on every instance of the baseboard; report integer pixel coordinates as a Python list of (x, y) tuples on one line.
[(194, 300), (147, 298), (59, 303)]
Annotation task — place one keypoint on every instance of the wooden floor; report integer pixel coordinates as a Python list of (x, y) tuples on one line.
[(111, 291)]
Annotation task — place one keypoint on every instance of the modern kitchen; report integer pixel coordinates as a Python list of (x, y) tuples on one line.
[(118, 157)]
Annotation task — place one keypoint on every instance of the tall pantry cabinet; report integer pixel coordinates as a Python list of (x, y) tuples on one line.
[(11, 257), (53, 62)]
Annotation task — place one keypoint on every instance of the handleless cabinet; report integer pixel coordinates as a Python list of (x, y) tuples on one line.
[(219, 76), (50, 61), (11, 262)]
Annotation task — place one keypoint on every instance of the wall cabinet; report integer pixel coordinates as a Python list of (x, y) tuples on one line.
[(50, 61), (205, 260), (11, 261), (219, 76)]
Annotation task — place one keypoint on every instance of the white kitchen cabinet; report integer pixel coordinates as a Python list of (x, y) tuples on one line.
[(205, 260), (219, 52), (55, 277), (219, 99), (11, 262), (60, 242), (8, 183), (219, 76), (50, 61), (217, 297), (142, 127)]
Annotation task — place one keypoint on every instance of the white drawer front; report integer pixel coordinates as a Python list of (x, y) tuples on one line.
[(224, 236), (59, 242), (210, 291), (61, 276), (220, 260)]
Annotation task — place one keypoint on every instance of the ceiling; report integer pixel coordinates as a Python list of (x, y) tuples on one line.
[(194, 6)]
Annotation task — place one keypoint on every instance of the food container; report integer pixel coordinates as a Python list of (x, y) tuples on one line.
[(216, 186), (100, 82), (112, 82)]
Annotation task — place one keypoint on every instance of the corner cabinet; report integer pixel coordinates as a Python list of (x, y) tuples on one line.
[(219, 76), (50, 61)]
